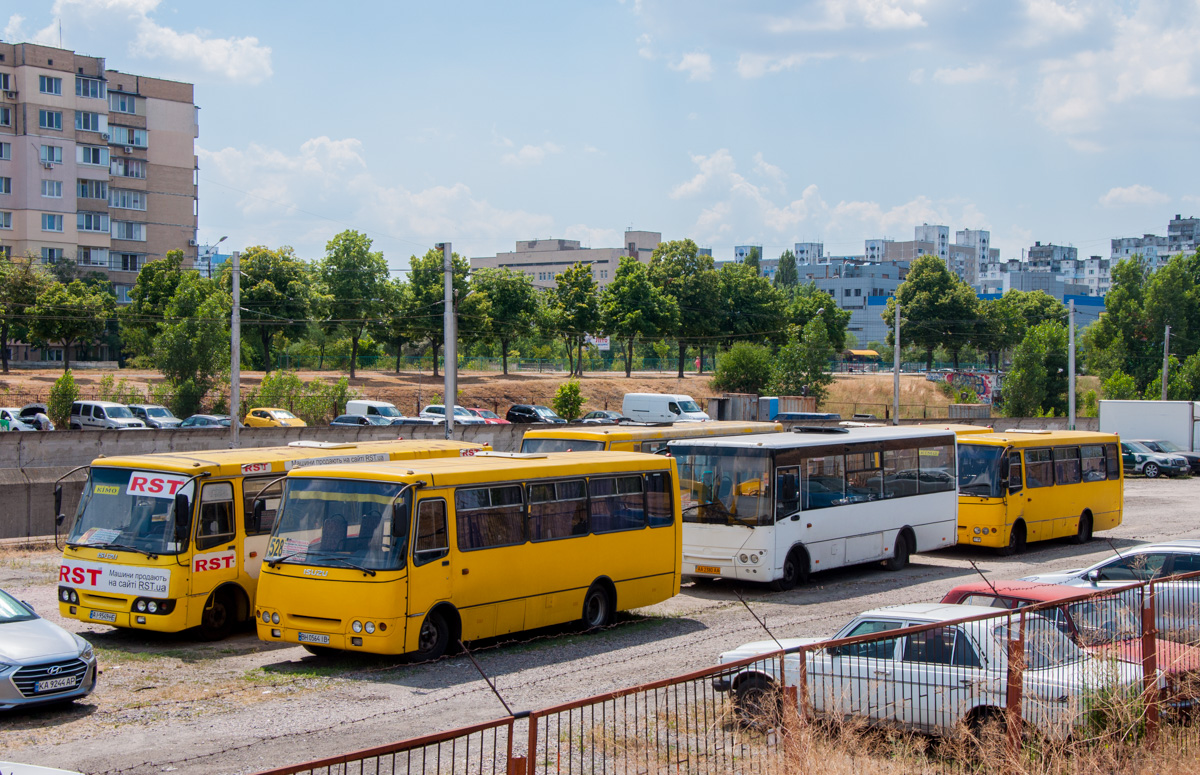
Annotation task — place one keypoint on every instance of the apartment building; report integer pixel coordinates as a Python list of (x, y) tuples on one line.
[(543, 259), (96, 165)]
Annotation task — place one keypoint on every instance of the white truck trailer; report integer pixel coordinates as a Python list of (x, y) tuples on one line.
[(1175, 421)]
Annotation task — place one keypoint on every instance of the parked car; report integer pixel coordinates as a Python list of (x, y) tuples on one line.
[(415, 421), (662, 407), (603, 417), (1177, 603), (437, 413), (273, 417), (1103, 626), (206, 421), (357, 420), (937, 679), (103, 415), (40, 662), (488, 416), (1167, 447), (155, 416), (13, 417), (1137, 458), (37, 415), (371, 408), (532, 413)]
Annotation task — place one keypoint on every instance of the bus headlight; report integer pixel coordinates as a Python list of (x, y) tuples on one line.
[(754, 559), (266, 617), (274, 618), (152, 607), (356, 625), (976, 531), (370, 628), (141, 605), (64, 594), (744, 559)]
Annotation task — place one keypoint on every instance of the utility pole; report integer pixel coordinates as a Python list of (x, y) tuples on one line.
[(896, 367), (1166, 361), (1071, 365), (235, 353), (450, 344)]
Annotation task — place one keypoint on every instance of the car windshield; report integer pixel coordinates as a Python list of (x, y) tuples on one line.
[(487, 415), (545, 411), (979, 470), (1137, 446), (158, 411), (283, 414), (1169, 446), (725, 486), (1104, 620), (560, 445), (12, 611), (376, 419), (340, 523), (1045, 644), (689, 406), (124, 507), (386, 411), (117, 412)]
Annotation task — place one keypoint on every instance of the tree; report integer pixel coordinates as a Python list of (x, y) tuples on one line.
[(192, 347), (938, 309), (63, 393), (141, 320), (568, 401), (632, 307), (512, 301), (1120, 387), (576, 310), (1037, 382), (678, 269), (21, 281), (786, 275), (807, 301), (276, 294), (355, 278), (744, 368), (394, 326), (753, 261), (427, 300), (751, 308), (70, 315), (802, 365)]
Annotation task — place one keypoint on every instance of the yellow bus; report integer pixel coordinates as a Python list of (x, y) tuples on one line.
[(450, 550), (635, 437), (1017, 486), (145, 553)]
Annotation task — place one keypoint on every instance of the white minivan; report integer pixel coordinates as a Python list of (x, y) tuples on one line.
[(103, 415), (662, 407), (372, 408)]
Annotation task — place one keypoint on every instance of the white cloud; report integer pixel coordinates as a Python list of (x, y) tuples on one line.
[(644, 50), (530, 154), (717, 166), (1049, 19), (843, 14), (957, 76), (762, 167), (12, 31), (697, 65), (1137, 195)]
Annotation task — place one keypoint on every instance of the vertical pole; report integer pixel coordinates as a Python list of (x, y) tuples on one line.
[(235, 353), (1071, 366), (1014, 687), (896, 368), (1166, 360), (450, 345), (1150, 662)]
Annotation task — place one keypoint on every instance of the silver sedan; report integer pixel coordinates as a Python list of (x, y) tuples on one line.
[(40, 662)]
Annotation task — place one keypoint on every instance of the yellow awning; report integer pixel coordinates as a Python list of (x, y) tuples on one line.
[(866, 353)]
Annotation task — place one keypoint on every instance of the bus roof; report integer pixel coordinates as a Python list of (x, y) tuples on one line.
[(1041, 438), (279, 460), (814, 439), (960, 429), (682, 430), (493, 466)]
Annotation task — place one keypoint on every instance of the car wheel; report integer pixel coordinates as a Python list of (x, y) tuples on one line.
[(757, 702), (1084, 533), (433, 639), (597, 608), (899, 558), (795, 571), (1151, 471)]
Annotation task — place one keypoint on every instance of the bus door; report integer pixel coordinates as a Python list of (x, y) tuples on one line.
[(215, 558), (259, 533), (1016, 500), (431, 563)]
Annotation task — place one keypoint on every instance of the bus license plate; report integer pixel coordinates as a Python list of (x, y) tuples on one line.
[(308, 637), (103, 616), (713, 569), (49, 685)]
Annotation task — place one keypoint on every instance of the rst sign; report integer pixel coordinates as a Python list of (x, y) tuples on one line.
[(155, 484), (130, 580)]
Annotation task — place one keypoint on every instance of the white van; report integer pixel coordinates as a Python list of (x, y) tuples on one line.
[(102, 415), (372, 408), (662, 407)]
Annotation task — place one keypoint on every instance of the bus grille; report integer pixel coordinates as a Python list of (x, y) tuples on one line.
[(27, 677)]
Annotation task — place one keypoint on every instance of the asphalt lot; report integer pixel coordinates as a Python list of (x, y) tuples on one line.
[(169, 704)]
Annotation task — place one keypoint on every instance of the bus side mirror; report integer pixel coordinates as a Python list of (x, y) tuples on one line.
[(1005, 468), (399, 526), (59, 516), (183, 517), (260, 505)]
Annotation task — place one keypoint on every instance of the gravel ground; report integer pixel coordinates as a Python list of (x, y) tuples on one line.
[(241, 706)]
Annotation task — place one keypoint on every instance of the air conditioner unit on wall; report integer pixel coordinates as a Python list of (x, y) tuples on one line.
[(191, 243), (128, 149), (104, 135), (12, 95), (48, 165)]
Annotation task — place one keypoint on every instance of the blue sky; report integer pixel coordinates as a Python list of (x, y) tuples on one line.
[(481, 123)]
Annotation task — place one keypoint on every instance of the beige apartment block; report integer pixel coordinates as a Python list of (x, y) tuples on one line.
[(95, 164), (543, 259)]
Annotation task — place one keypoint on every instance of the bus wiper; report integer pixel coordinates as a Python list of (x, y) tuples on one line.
[(726, 513), (127, 547), (272, 562), (349, 564)]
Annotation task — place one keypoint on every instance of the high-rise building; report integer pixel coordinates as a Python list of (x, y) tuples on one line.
[(981, 242), (939, 236), (544, 259), (809, 253), (95, 165)]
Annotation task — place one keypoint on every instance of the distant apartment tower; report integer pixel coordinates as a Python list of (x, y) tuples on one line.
[(1183, 234), (809, 253), (1151, 247), (544, 259), (742, 252), (980, 242), (95, 165), (939, 236), (1049, 257)]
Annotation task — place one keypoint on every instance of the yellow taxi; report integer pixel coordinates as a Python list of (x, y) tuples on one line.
[(273, 417)]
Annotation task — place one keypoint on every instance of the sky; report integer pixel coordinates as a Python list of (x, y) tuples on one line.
[(730, 123)]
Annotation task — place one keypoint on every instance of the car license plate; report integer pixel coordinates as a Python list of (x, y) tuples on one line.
[(50, 684), (103, 616), (308, 637), (713, 569)]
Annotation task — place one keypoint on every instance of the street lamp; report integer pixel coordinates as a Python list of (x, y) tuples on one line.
[(212, 249)]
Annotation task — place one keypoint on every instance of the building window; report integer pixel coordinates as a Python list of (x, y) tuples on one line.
[(126, 199), (128, 168), (5, 185), (51, 255), (53, 354), (51, 153), (5, 220), (93, 154), (92, 221), (50, 119), (89, 87), (130, 262), (128, 230), (4, 81), (49, 85), (93, 189), (52, 189), (122, 292), (90, 122), (92, 256), (5, 116), (52, 222), (858, 291), (5, 151), (122, 103), (123, 135)]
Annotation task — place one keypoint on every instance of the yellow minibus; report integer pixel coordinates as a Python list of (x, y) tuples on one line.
[(635, 437), (145, 552), (412, 557), (1017, 486)]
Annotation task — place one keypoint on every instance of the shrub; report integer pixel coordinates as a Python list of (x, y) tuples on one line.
[(120, 391), (568, 401), (743, 368), (314, 402), (64, 393), (1120, 387)]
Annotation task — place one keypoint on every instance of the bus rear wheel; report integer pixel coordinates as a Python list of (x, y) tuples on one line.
[(434, 638), (597, 608)]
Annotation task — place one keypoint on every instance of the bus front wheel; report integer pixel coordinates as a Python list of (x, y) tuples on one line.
[(597, 608), (795, 571), (434, 637), (1084, 533), (220, 614), (899, 559), (1016, 541)]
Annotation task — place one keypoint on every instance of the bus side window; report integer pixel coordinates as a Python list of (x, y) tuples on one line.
[(270, 496), (787, 491), (557, 510), (937, 472), (900, 471), (1112, 460), (1093, 463), (432, 539), (1039, 468), (1014, 471), (1066, 465), (489, 516), (659, 511), (216, 515)]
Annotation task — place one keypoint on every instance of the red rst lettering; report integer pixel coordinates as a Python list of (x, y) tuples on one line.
[(94, 572), (156, 485), (64, 573), (137, 484), (77, 575), (201, 565), (174, 483), (229, 561)]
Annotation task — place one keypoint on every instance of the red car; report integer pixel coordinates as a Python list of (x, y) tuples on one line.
[(1100, 625), (489, 417)]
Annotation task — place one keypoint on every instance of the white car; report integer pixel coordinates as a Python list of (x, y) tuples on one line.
[(437, 412), (935, 680), (1177, 603), (15, 423)]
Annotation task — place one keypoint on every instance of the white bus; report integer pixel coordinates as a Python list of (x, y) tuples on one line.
[(777, 507)]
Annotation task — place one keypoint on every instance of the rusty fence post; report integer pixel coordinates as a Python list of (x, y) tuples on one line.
[(1150, 662), (517, 765), (1013, 690), (531, 753)]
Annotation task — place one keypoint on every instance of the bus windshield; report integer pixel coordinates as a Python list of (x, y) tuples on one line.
[(725, 486), (340, 523), (560, 445), (979, 470), (126, 509)]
